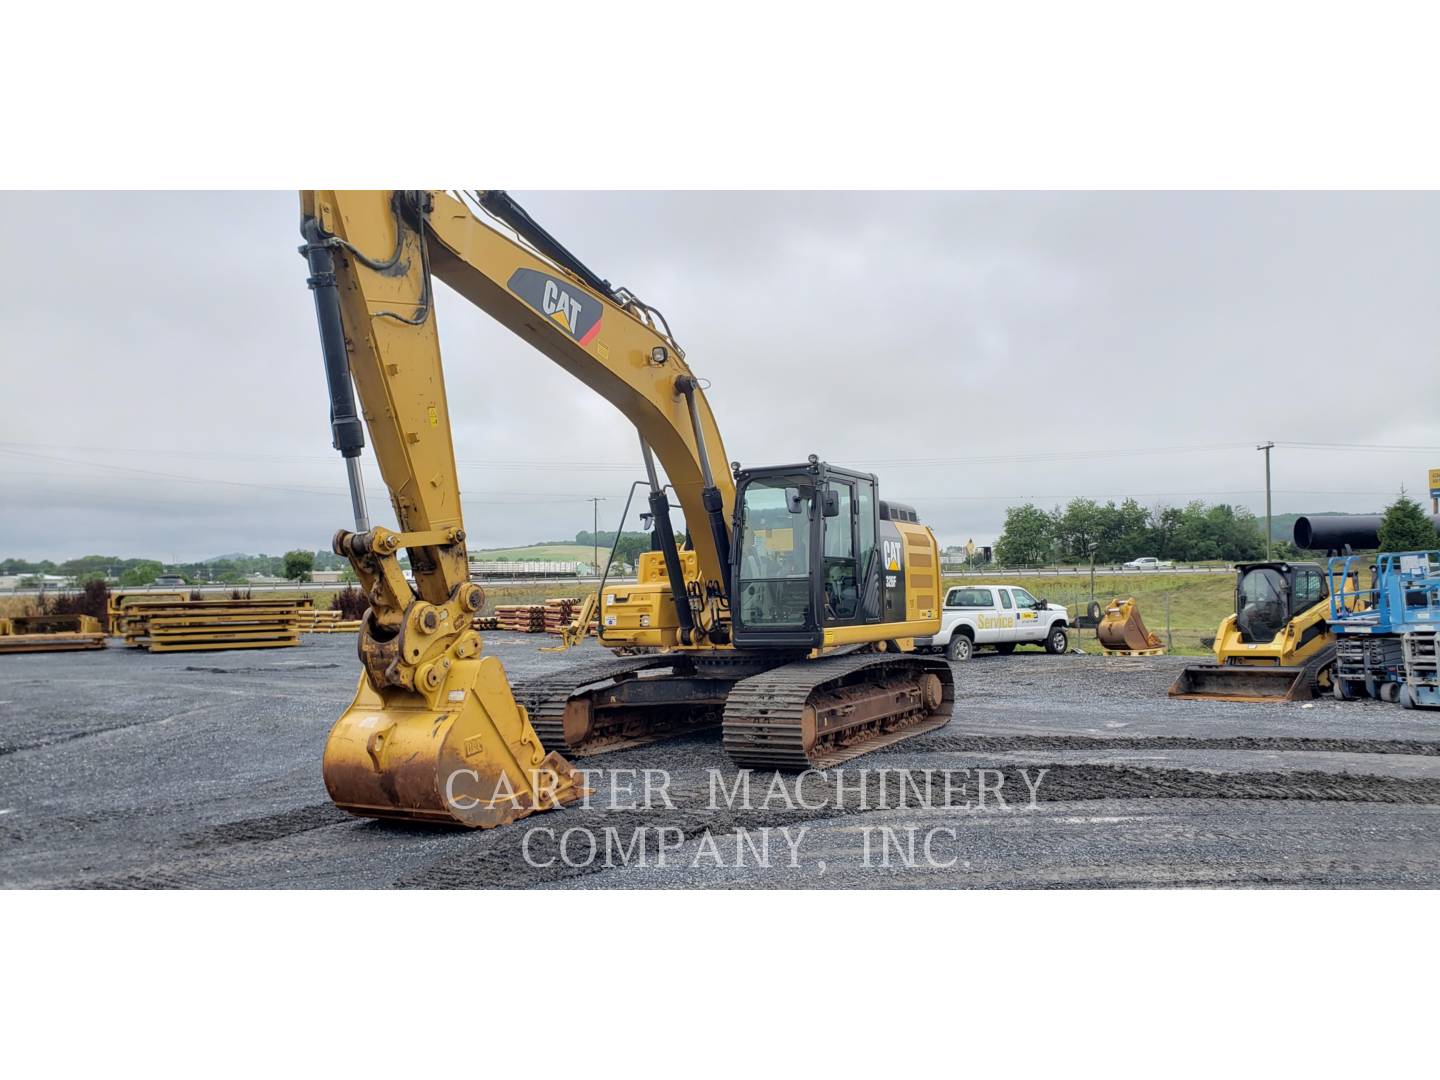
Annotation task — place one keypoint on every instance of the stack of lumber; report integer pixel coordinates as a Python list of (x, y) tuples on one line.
[(560, 613), (326, 622), (202, 625), (485, 622), (526, 618), (50, 633)]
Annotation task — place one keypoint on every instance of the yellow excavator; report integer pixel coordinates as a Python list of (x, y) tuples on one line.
[(786, 618)]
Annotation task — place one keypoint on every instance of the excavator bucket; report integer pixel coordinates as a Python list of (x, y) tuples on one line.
[(1240, 682), (464, 755), (1122, 630)]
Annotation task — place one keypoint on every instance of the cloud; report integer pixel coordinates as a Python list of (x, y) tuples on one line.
[(164, 392)]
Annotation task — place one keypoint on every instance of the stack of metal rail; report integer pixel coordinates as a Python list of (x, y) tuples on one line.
[(326, 622), (1385, 629), (202, 625), (119, 601), (50, 633)]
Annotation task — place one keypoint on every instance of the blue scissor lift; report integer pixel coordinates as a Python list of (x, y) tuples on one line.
[(1385, 632)]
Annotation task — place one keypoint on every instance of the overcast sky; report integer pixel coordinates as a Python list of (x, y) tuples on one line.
[(164, 394)]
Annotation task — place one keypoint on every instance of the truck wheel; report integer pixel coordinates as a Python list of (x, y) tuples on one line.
[(1389, 692), (960, 647), (1058, 641), (1407, 697), (1005, 648)]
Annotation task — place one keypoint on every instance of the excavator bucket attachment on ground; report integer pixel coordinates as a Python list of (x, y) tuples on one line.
[(466, 755), (50, 633), (1122, 630), (1239, 682)]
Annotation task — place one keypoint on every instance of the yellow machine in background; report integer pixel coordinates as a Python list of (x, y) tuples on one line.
[(787, 617), (1277, 645), (579, 628), (1122, 630)]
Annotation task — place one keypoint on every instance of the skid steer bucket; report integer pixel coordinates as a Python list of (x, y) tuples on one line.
[(1122, 630), (1240, 682), (463, 755)]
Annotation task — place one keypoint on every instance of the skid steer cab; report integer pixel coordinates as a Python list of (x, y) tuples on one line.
[(1276, 646)]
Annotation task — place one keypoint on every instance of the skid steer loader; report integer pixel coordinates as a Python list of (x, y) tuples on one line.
[(1277, 646)]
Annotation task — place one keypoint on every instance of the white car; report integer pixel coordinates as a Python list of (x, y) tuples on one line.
[(1147, 563), (1000, 615)]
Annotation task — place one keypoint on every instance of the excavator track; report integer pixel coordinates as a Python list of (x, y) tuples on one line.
[(603, 705), (812, 714)]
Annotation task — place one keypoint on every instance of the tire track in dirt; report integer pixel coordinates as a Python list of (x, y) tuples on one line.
[(270, 827), (206, 853)]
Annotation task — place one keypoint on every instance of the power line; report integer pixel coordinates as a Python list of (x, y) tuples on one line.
[(994, 459)]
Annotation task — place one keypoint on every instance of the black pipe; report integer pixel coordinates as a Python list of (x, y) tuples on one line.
[(346, 428), (1334, 532)]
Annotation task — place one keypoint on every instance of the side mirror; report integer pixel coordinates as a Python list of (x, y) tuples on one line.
[(793, 500), (831, 503)]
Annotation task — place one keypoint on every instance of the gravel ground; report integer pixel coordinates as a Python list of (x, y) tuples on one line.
[(122, 769)]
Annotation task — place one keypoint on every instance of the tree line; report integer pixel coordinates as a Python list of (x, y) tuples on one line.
[(1197, 532), (226, 570), (1114, 534)]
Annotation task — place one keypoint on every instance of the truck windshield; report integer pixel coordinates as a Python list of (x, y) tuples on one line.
[(775, 552)]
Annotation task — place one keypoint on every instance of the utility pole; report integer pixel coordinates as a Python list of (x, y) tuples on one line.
[(1269, 532), (595, 501)]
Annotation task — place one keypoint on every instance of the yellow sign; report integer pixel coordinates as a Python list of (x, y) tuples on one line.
[(1435, 483)]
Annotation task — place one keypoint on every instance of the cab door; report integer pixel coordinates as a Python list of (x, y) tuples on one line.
[(842, 590), (1029, 624), (1007, 629)]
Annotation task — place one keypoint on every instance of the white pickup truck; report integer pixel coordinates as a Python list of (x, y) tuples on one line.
[(1000, 615)]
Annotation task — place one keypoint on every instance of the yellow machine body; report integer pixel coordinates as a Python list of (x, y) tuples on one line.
[(435, 732), (1291, 665), (643, 614)]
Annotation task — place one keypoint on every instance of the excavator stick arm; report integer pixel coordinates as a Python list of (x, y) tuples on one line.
[(430, 712)]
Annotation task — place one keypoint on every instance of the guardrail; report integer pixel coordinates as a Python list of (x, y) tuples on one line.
[(1077, 571)]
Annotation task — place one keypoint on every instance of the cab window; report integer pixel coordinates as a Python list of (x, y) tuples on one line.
[(865, 505), (969, 598), (1023, 598), (1309, 589), (1005, 598), (775, 553), (842, 584)]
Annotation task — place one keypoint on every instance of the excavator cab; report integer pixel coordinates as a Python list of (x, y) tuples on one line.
[(807, 555)]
